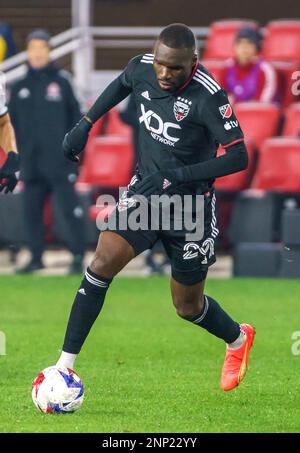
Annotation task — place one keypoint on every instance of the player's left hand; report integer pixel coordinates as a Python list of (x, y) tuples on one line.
[(157, 184), (8, 179)]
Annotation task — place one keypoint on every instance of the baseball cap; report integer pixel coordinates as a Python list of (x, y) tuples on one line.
[(38, 34)]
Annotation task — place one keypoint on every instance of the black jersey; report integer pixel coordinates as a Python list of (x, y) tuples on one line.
[(181, 128)]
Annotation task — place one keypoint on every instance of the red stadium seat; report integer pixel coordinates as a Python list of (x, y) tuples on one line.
[(108, 162), (291, 126), (285, 71), (258, 120), (217, 69), (242, 179), (219, 44), (115, 126), (282, 40), (279, 166)]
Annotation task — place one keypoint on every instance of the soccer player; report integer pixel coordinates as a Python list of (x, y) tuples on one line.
[(184, 115), (8, 179)]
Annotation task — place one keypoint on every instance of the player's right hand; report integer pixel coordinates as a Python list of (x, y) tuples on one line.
[(75, 140)]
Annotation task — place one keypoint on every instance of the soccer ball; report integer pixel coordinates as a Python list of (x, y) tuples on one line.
[(57, 390)]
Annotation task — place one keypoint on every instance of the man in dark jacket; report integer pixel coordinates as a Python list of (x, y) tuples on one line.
[(43, 107)]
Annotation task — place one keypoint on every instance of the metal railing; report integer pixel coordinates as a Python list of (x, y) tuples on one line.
[(81, 42)]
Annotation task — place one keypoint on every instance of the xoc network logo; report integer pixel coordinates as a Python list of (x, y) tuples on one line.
[(160, 130)]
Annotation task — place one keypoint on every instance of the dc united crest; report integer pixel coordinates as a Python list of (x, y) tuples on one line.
[(181, 108)]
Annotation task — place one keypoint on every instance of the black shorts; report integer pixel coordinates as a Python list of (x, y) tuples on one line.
[(189, 259)]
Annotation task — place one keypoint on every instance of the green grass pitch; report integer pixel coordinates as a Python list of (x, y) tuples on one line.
[(146, 370)]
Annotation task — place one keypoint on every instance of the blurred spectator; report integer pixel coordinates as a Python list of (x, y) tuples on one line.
[(249, 77), (43, 108), (7, 44)]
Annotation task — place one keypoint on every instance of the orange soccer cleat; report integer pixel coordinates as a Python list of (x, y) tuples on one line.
[(236, 361)]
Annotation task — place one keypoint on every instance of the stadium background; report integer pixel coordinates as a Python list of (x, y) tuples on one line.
[(260, 230)]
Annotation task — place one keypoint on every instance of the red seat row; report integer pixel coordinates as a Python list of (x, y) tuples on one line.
[(109, 158), (260, 121), (278, 168), (281, 39), (270, 158)]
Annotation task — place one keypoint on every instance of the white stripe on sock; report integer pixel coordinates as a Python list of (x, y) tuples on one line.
[(94, 281), (206, 304)]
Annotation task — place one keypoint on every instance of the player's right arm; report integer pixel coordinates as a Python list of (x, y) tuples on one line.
[(75, 140)]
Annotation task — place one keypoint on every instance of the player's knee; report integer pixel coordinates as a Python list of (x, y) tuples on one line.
[(101, 264), (187, 308)]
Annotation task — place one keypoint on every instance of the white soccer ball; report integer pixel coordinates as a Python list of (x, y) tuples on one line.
[(57, 390)]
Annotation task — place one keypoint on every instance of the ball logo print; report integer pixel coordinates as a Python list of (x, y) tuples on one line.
[(226, 111), (57, 390)]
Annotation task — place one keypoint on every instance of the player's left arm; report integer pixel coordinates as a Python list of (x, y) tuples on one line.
[(218, 116)]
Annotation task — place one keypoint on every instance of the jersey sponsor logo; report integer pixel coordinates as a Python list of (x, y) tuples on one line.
[(230, 125), (181, 108), (226, 111), (159, 129), (24, 93), (146, 95), (53, 92)]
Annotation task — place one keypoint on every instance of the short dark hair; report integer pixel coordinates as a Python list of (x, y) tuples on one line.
[(178, 36), (251, 34)]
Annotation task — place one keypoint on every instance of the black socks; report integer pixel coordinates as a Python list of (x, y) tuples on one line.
[(85, 310), (214, 319)]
